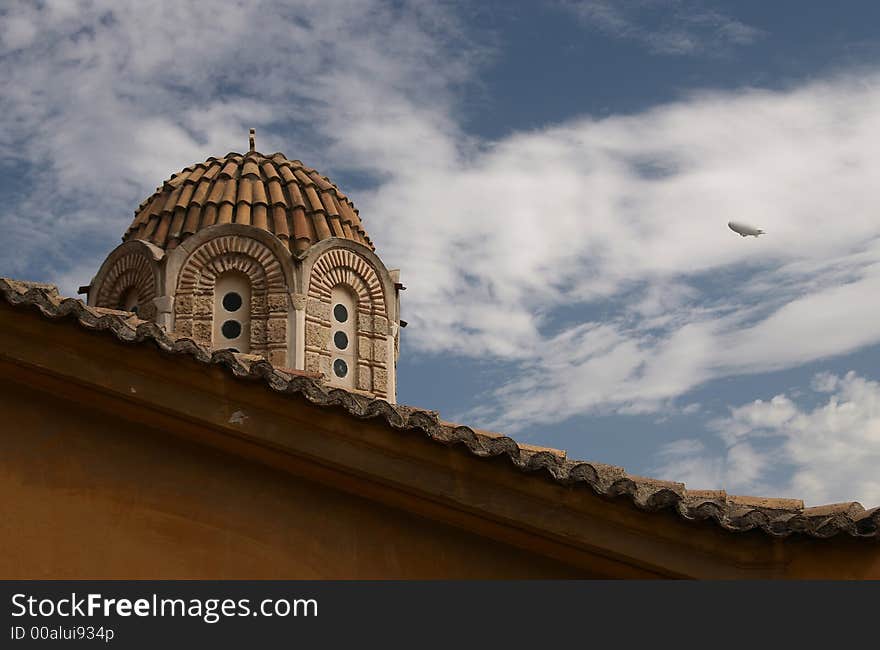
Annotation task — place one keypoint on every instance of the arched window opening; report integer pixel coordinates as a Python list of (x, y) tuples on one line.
[(343, 340), (129, 300), (232, 312)]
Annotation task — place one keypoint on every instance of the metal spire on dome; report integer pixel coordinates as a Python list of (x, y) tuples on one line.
[(252, 139)]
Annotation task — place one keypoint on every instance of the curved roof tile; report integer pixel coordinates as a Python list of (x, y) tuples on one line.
[(307, 206)]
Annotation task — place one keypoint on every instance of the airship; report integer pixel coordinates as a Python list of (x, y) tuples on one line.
[(744, 229)]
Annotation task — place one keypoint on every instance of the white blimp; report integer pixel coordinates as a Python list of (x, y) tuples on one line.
[(744, 229)]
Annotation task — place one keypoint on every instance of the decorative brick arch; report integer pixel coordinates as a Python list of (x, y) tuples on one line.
[(341, 266), (194, 296), (130, 271)]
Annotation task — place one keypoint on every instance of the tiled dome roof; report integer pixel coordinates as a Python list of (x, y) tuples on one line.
[(282, 196)]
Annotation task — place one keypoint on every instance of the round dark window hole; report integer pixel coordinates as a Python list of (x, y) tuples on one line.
[(340, 368), (341, 340), (231, 301), (340, 313), (231, 329)]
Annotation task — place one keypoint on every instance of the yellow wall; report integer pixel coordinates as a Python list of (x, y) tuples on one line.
[(89, 497)]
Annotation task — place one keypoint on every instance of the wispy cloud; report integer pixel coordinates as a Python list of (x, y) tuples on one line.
[(519, 241), (673, 27), (826, 454), (103, 100)]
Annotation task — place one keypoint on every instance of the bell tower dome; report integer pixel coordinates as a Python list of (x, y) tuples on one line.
[(262, 255)]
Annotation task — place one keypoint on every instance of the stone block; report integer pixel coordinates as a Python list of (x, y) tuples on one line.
[(184, 304), (364, 323), (202, 332), (258, 304), (183, 326), (318, 309), (258, 332), (278, 302), (364, 347), (313, 362), (364, 377), (203, 305), (380, 381), (380, 350), (317, 335), (277, 330)]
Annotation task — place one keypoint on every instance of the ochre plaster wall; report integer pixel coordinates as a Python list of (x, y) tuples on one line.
[(83, 496)]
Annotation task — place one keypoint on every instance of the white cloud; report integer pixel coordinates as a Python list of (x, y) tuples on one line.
[(104, 100), (497, 246), (673, 27), (826, 454)]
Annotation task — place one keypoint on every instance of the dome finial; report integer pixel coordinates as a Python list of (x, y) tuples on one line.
[(252, 139)]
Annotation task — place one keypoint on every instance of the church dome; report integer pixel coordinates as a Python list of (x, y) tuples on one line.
[(262, 256), (281, 196)]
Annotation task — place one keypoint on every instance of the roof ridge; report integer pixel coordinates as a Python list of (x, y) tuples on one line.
[(775, 517)]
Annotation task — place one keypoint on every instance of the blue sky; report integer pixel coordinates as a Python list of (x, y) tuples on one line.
[(554, 180)]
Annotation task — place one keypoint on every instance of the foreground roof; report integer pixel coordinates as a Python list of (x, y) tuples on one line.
[(284, 197), (775, 517)]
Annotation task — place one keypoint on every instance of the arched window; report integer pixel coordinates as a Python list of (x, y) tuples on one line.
[(232, 312), (129, 300), (343, 337)]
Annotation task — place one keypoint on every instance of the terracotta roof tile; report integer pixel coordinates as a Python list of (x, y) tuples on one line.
[(303, 177), (245, 191), (230, 170), (250, 168), (191, 224), (243, 214), (259, 217), (296, 197), (209, 216), (216, 195), (766, 503), (161, 231), (287, 174), (229, 191), (276, 193), (320, 181), (200, 194), (775, 517), (224, 213), (269, 171), (272, 193), (185, 196), (211, 171), (329, 203), (279, 222), (146, 231), (176, 225), (336, 226), (849, 509), (171, 201), (197, 173), (259, 192), (303, 234), (313, 198)]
